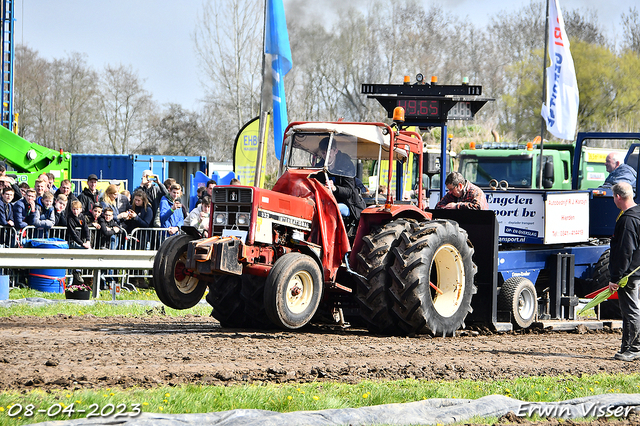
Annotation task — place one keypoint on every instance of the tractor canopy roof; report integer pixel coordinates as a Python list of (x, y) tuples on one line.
[(306, 145)]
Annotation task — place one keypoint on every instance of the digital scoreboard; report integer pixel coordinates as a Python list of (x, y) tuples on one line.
[(426, 104)]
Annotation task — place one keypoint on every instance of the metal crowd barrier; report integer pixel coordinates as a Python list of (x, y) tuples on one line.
[(144, 239), (8, 237), (141, 239), (97, 242)]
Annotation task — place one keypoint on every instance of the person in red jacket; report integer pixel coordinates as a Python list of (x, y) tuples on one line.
[(462, 194)]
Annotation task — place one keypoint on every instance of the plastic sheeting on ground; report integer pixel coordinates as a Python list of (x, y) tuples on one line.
[(428, 412)]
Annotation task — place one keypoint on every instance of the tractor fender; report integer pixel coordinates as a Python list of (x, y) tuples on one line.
[(314, 254)]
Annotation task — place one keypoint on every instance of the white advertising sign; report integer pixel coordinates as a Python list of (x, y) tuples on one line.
[(520, 216), (567, 218)]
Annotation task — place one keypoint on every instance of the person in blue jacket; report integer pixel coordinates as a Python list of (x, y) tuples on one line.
[(618, 171), (171, 213), (24, 210)]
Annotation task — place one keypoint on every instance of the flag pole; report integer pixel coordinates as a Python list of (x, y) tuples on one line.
[(544, 92), (263, 113)]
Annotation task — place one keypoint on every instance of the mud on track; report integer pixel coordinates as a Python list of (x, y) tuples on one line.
[(87, 352)]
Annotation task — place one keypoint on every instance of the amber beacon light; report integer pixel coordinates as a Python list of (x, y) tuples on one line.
[(398, 114)]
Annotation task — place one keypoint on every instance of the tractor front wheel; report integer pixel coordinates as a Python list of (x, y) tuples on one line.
[(176, 286), (292, 291)]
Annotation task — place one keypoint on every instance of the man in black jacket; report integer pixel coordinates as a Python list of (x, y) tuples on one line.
[(90, 195), (341, 173), (624, 258), (60, 207), (6, 209)]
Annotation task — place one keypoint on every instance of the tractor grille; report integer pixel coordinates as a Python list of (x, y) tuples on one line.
[(231, 202)]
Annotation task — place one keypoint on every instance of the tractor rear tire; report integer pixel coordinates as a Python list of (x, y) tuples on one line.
[(374, 261), (252, 295), (292, 291), (433, 254), (518, 297), (228, 306), (175, 285), (609, 309)]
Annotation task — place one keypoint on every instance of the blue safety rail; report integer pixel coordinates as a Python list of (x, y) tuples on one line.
[(6, 108)]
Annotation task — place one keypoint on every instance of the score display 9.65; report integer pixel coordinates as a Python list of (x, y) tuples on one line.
[(423, 108)]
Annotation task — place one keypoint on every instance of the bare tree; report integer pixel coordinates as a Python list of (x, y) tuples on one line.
[(228, 43), (124, 105), (30, 86), (181, 132), (79, 90), (631, 24), (583, 25), (307, 98), (55, 100)]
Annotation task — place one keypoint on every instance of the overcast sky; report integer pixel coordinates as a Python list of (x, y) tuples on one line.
[(155, 36)]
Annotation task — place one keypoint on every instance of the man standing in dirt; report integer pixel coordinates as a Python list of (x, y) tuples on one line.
[(625, 257)]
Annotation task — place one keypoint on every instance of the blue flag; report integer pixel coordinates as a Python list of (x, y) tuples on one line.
[(277, 45)]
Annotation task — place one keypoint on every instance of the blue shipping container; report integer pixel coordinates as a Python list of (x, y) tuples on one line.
[(130, 168)]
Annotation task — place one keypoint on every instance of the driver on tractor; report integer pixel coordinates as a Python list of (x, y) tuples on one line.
[(341, 173)]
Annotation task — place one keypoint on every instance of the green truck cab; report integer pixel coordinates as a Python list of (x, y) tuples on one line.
[(510, 165)]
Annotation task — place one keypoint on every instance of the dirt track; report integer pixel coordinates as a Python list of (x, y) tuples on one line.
[(76, 352)]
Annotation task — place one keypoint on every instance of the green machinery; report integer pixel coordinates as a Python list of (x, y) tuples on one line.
[(511, 165), (28, 160)]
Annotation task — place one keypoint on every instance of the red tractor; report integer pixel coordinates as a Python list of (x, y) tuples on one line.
[(285, 256)]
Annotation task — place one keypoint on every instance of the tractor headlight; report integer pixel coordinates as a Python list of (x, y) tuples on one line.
[(242, 219), (220, 219)]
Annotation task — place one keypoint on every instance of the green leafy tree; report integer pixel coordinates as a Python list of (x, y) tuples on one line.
[(522, 107), (609, 88)]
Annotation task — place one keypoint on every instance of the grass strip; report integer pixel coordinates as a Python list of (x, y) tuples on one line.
[(14, 406), (97, 309)]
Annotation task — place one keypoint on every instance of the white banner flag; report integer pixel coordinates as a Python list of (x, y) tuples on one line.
[(561, 109)]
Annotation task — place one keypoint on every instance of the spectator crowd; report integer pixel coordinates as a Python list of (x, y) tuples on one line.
[(109, 215)]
